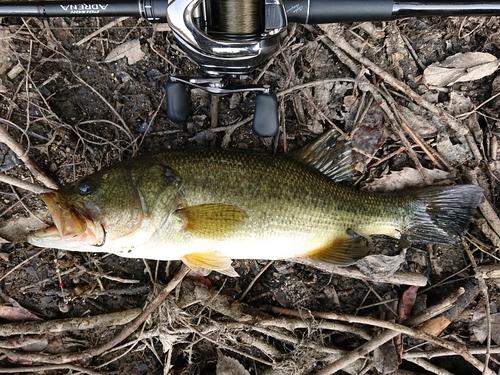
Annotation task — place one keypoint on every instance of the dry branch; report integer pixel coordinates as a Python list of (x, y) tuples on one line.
[(455, 347), (22, 154), (42, 369), (23, 184), (70, 324), (98, 350), (399, 278), (380, 339)]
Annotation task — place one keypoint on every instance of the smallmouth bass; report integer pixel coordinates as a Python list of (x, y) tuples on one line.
[(208, 206)]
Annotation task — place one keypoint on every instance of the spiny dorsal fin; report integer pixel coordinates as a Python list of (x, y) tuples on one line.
[(213, 220), (345, 250), (328, 154), (211, 260)]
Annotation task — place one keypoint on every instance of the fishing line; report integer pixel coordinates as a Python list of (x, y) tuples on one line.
[(240, 17)]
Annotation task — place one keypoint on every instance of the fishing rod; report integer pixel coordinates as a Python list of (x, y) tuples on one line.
[(230, 38)]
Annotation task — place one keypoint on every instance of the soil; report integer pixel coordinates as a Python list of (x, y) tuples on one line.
[(74, 113)]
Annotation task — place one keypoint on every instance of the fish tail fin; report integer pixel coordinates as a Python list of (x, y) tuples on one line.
[(442, 213)]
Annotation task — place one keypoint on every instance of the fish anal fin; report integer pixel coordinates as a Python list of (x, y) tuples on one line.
[(213, 220), (344, 250), (211, 260)]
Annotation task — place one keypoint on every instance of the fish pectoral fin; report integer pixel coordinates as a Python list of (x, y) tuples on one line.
[(213, 220), (345, 250), (211, 260)]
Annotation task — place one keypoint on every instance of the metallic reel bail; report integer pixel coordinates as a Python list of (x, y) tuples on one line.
[(226, 38)]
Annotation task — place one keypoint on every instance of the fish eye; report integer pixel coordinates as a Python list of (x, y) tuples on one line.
[(85, 188)]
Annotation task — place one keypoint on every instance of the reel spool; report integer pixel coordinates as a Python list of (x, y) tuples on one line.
[(240, 17), (226, 38)]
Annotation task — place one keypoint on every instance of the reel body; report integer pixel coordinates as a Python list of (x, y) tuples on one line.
[(224, 45), (226, 38)]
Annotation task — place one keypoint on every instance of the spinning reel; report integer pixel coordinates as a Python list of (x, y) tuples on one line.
[(230, 38)]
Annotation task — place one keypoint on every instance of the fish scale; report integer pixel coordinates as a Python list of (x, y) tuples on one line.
[(208, 206)]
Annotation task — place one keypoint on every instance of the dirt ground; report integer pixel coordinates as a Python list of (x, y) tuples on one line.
[(72, 112)]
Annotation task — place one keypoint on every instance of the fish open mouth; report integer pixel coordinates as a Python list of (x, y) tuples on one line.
[(74, 228)]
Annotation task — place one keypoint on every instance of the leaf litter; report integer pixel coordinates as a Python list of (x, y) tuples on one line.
[(72, 115)]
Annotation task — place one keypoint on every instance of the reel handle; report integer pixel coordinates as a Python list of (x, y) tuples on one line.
[(265, 118), (177, 102)]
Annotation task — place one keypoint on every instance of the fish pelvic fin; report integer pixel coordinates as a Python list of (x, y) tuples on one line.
[(213, 220), (211, 260), (345, 250), (442, 213), (328, 154)]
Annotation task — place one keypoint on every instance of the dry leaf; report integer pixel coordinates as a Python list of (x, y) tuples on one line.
[(385, 358), (480, 328), (455, 152), (370, 134), (406, 303), (17, 314), (6, 53), (419, 124), (462, 67), (16, 229), (229, 366), (407, 178), (379, 265), (131, 50)]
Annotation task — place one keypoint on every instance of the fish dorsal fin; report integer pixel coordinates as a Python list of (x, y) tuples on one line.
[(211, 260), (329, 155), (345, 250), (212, 220)]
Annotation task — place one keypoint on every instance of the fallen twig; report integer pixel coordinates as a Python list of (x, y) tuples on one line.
[(455, 347), (24, 184), (62, 325), (17, 266), (399, 278), (429, 354), (483, 289), (102, 29), (42, 369), (22, 154), (380, 339), (429, 366), (98, 350)]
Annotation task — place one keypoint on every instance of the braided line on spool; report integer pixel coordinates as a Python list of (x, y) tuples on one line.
[(240, 17)]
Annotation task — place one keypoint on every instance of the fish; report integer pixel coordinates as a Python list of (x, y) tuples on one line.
[(207, 207)]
